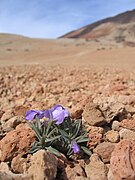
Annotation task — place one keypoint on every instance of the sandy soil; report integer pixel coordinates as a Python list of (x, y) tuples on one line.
[(17, 50), (62, 61)]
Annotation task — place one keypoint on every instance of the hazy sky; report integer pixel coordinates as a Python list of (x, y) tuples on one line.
[(53, 18)]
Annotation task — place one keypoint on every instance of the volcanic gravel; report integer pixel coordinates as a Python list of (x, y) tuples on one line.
[(39, 86)]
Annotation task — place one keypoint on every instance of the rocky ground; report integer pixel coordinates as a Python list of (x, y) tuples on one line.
[(102, 97)]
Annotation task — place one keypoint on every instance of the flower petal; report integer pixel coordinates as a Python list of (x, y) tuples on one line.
[(59, 113), (58, 116), (56, 113), (47, 114), (40, 114), (58, 107), (66, 113), (30, 114), (75, 147)]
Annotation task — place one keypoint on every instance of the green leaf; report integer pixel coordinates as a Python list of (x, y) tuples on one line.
[(67, 124), (65, 140), (38, 123), (35, 149), (85, 139), (52, 139), (63, 133), (81, 136), (36, 143), (77, 128), (86, 150), (44, 130), (54, 151), (36, 131), (48, 127), (43, 141), (51, 133), (70, 151)]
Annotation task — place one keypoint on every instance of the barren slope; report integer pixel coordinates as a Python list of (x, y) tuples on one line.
[(17, 50), (119, 29)]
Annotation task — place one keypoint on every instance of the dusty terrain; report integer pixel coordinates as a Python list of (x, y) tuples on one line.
[(17, 50), (94, 81)]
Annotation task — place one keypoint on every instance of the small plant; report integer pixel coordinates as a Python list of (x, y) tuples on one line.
[(56, 132)]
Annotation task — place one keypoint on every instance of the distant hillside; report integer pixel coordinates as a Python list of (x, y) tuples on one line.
[(120, 28)]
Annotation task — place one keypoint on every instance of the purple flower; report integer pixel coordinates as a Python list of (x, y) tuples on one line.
[(57, 113), (30, 115), (75, 147)]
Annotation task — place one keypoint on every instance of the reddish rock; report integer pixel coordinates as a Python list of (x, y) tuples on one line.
[(104, 150), (20, 101), (127, 134), (20, 110), (16, 142), (93, 115), (76, 111), (95, 138), (118, 87), (38, 89), (12, 123), (18, 164), (77, 114), (38, 105), (6, 174), (122, 162), (114, 106), (81, 178), (7, 115), (112, 136), (4, 167), (1, 113), (128, 124), (43, 166), (72, 172), (96, 169), (93, 129)]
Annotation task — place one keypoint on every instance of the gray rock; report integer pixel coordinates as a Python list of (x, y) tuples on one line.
[(93, 115), (127, 134), (6, 174), (114, 106), (96, 169), (115, 125), (6, 116), (11, 123), (104, 150), (43, 166)]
